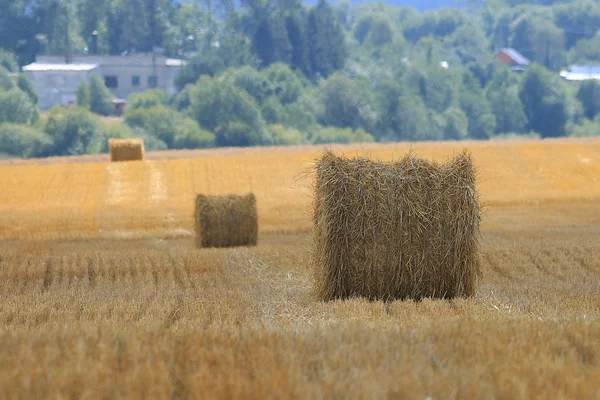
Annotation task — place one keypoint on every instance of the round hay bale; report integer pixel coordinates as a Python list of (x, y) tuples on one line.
[(395, 230), (226, 221), (126, 149)]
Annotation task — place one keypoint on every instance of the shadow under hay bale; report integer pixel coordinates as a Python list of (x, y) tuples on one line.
[(126, 149), (397, 230), (226, 221)]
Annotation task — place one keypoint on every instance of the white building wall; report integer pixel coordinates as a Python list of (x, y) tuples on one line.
[(127, 68), (57, 87)]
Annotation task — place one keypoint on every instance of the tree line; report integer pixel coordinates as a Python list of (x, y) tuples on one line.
[(279, 72)]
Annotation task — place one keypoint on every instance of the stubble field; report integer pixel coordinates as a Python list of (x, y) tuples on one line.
[(102, 294)]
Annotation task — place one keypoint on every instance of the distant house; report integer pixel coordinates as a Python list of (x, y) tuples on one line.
[(581, 73), (515, 60), (56, 81), (57, 84)]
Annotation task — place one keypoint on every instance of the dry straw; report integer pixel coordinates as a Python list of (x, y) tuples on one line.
[(226, 221), (404, 229), (126, 149)]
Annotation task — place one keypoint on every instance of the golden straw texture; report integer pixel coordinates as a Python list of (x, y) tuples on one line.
[(395, 230), (226, 221), (126, 149)]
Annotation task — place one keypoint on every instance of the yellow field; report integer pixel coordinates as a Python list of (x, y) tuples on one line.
[(102, 294)]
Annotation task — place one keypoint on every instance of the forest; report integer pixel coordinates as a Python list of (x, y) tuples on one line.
[(282, 72)]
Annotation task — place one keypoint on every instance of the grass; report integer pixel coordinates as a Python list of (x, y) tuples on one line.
[(131, 310)]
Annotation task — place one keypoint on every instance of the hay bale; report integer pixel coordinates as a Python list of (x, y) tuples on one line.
[(126, 149), (397, 230), (226, 221)]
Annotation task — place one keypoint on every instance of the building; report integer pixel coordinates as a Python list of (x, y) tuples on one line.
[(56, 81), (57, 84), (515, 60), (581, 73)]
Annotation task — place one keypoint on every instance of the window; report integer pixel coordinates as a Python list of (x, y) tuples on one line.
[(135, 80), (111, 82), (152, 81)]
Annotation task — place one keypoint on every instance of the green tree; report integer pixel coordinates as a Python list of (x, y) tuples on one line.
[(328, 50), (482, 123), (26, 86), (296, 26), (8, 61), (16, 107), (83, 95), (100, 96), (589, 96), (24, 141), (544, 100), (456, 124), (283, 83), (508, 109), (252, 81), (341, 135), (72, 130), (413, 121), (348, 103), (229, 112), (147, 99), (6, 81)]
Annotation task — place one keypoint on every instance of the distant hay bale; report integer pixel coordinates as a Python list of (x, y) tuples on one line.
[(226, 221), (397, 230), (126, 149)]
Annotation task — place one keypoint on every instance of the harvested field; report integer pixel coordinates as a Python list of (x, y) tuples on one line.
[(103, 293)]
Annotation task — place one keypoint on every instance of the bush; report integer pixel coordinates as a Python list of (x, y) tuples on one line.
[(16, 107), (171, 127), (24, 141), (341, 135), (83, 95), (252, 81), (8, 61), (586, 129), (72, 130), (229, 112), (108, 130), (286, 136), (6, 81), (100, 97), (147, 99), (26, 86), (182, 100), (283, 83)]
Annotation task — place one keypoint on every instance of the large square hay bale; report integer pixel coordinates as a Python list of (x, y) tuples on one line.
[(226, 221), (126, 149), (395, 230)]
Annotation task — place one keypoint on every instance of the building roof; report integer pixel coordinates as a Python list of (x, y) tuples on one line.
[(581, 72), (517, 57), (59, 67), (174, 62)]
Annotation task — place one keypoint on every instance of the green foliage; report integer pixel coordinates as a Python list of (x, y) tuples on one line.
[(508, 109), (456, 124), (229, 112), (589, 96), (545, 102), (586, 129), (99, 142), (283, 83), (348, 103), (181, 101), (286, 136), (252, 81), (147, 99), (26, 86), (8, 61), (16, 107), (100, 97), (170, 127), (375, 30), (6, 81), (340, 135), (83, 95), (72, 130), (24, 141), (328, 50), (482, 123)]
